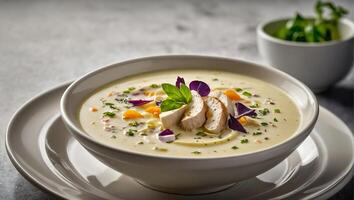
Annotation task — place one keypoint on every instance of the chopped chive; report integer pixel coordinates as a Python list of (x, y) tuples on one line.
[(264, 123), (238, 89), (140, 142), (257, 133), (109, 114), (215, 79), (275, 119), (196, 152), (244, 141), (266, 138), (247, 94), (113, 137), (277, 110), (154, 86), (234, 147)]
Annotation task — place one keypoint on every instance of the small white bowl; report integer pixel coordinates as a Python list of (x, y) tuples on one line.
[(188, 175), (318, 65)]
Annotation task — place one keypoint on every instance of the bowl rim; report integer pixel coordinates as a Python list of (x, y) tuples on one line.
[(66, 119), (263, 34)]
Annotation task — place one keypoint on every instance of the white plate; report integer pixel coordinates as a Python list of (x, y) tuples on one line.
[(46, 154)]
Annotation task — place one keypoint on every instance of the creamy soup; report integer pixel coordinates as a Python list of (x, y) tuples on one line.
[(189, 113)]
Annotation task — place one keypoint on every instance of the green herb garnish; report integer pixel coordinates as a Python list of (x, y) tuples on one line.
[(234, 147), (247, 94), (196, 152), (257, 133), (131, 132), (266, 138), (264, 111), (129, 90), (177, 97), (277, 110), (264, 123), (154, 86), (111, 105), (109, 114), (275, 119), (244, 141), (238, 89)]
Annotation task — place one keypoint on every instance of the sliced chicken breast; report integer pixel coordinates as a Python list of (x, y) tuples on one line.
[(173, 117), (216, 115), (225, 100), (194, 117)]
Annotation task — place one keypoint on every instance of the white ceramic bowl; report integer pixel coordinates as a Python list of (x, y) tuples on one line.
[(318, 65), (188, 175)]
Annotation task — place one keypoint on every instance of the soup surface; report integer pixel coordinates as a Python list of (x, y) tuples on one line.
[(213, 113)]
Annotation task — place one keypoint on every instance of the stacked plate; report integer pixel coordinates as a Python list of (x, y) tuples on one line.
[(45, 153)]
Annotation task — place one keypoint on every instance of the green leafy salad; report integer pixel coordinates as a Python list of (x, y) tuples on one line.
[(321, 28)]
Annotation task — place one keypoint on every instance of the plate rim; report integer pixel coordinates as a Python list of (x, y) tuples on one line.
[(345, 176)]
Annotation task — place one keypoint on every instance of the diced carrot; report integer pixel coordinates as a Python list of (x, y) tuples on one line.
[(154, 110), (132, 114), (243, 120), (232, 94), (93, 109)]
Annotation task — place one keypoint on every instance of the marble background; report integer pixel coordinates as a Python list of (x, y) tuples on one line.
[(47, 42)]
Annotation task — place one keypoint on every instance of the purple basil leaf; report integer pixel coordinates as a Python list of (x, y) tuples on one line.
[(180, 81), (166, 132), (139, 102), (166, 136), (243, 110), (201, 87), (234, 124)]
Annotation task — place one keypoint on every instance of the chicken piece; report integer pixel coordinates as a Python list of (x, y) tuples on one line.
[(225, 100), (216, 115), (194, 117), (172, 117)]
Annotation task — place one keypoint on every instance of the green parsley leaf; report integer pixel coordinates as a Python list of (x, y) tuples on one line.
[(257, 133), (109, 114), (247, 94), (244, 141), (264, 123), (234, 147), (154, 86), (238, 89), (131, 132)]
